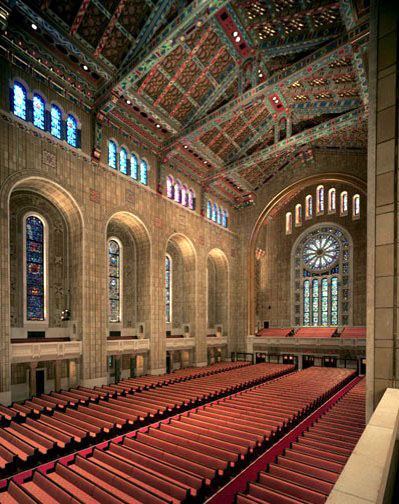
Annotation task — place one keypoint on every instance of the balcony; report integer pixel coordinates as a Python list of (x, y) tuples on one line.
[(179, 343), (127, 346), (44, 351), (212, 341)]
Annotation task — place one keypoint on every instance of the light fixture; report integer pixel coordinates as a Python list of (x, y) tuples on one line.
[(34, 26), (205, 162), (235, 34), (238, 39), (158, 125), (85, 68), (261, 75), (128, 102), (186, 146)]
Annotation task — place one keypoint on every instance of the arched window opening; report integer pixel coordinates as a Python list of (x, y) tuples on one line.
[(344, 203), (306, 302), (19, 100), (225, 219), (72, 131), (334, 301), (220, 216), (288, 223), (177, 192), (315, 302), (298, 215), (356, 205), (170, 187), (55, 121), (320, 199), (114, 284), (332, 204), (134, 167), (215, 212), (144, 172), (112, 154), (209, 210), (184, 196), (168, 288), (191, 200), (309, 206), (38, 111), (123, 161), (324, 302), (35, 268)]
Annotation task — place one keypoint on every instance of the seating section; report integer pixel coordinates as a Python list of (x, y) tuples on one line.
[(315, 332), (183, 458), (275, 332), (354, 332), (308, 470), (61, 422)]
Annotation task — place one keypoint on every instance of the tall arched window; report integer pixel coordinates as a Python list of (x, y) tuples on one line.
[(225, 219), (332, 200), (184, 196), (209, 210), (55, 121), (344, 203), (320, 199), (321, 258), (38, 111), (123, 161), (308, 206), (288, 223), (191, 200), (170, 187), (72, 131), (298, 215), (35, 268), (214, 212), (112, 154), (168, 288), (220, 216), (356, 206), (19, 100), (177, 192), (114, 281), (134, 167), (144, 172)]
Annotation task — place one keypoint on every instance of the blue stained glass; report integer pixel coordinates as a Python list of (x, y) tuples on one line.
[(219, 216), (334, 301), (55, 121), (315, 302), (170, 187), (144, 172), (209, 210), (134, 167), (114, 281), (320, 196), (306, 302), (72, 129), (34, 268), (38, 112), (214, 212), (112, 154), (191, 200), (184, 196), (19, 104), (123, 161), (225, 219), (177, 192), (168, 288), (324, 302)]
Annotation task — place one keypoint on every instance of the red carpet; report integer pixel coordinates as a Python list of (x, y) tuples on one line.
[(239, 483)]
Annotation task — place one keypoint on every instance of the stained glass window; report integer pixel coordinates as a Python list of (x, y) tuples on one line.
[(123, 161), (38, 111), (309, 206), (344, 203), (334, 301), (225, 219), (114, 286), (332, 200), (34, 268), (315, 302), (168, 281), (356, 205), (324, 302), (112, 154), (169, 187), (19, 104), (191, 200), (209, 210), (306, 302), (288, 223), (144, 172), (72, 131), (320, 199), (214, 212), (321, 252), (184, 196), (177, 192), (55, 121), (220, 216), (134, 167), (298, 215)]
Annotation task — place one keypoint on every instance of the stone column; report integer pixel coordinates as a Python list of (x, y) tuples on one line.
[(383, 207), (57, 374), (5, 347), (32, 379), (73, 373)]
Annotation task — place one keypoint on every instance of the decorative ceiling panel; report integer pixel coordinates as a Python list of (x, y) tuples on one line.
[(116, 47), (134, 16), (93, 24), (66, 10)]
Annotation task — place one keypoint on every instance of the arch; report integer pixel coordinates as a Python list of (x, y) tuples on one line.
[(112, 153), (356, 206), (332, 200), (309, 206), (38, 111), (56, 121), (343, 207), (276, 202), (218, 291), (123, 161), (72, 130), (288, 223), (144, 171), (20, 100), (298, 215), (319, 199), (134, 166)]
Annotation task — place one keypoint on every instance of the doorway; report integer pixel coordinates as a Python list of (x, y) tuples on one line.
[(39, 381), (307, 361), (168, 363), (330, 362), (363, 366)]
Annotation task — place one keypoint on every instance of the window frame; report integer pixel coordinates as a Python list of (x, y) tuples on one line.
[(118, 241)]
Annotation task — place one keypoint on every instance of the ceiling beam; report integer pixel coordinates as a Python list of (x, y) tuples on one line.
[(338, 48), (309, 135), (254, 139), (110, 27), (79, 16), (361, 75), (348, 14), (326, 106)]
